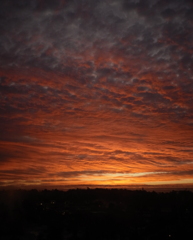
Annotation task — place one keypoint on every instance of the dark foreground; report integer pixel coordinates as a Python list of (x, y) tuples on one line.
[(95, 214)]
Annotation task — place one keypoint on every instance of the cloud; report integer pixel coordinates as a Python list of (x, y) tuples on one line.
[(91, 86), (16, 174)]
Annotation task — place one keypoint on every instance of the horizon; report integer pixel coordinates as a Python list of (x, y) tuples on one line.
[(147, 188)]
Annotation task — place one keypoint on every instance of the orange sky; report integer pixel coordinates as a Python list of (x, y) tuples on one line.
[(96, 93)]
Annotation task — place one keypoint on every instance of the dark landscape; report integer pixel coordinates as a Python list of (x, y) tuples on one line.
[(98, 214)]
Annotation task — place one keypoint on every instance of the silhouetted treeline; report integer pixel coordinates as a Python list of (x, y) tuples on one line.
[(95, 214)]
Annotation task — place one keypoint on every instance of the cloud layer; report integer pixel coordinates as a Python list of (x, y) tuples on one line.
[(96, 92)]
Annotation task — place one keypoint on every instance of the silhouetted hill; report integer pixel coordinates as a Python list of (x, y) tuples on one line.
[(95, 214)]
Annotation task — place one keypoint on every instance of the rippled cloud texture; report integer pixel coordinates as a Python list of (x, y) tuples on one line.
[(96, 92)]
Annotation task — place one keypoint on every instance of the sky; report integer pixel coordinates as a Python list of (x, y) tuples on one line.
[(96, 92)]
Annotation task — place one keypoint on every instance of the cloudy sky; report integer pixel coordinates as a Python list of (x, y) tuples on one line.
[(96, 92)]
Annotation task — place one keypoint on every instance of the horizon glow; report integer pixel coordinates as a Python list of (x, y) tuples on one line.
[(96, 93)]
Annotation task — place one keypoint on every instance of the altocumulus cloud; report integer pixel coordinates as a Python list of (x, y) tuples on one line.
[(96, 87)]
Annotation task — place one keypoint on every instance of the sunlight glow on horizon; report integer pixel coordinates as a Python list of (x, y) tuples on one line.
[(96, 92)]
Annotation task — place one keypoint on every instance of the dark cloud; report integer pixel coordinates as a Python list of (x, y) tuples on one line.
[(90, 86), (28, 171)]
